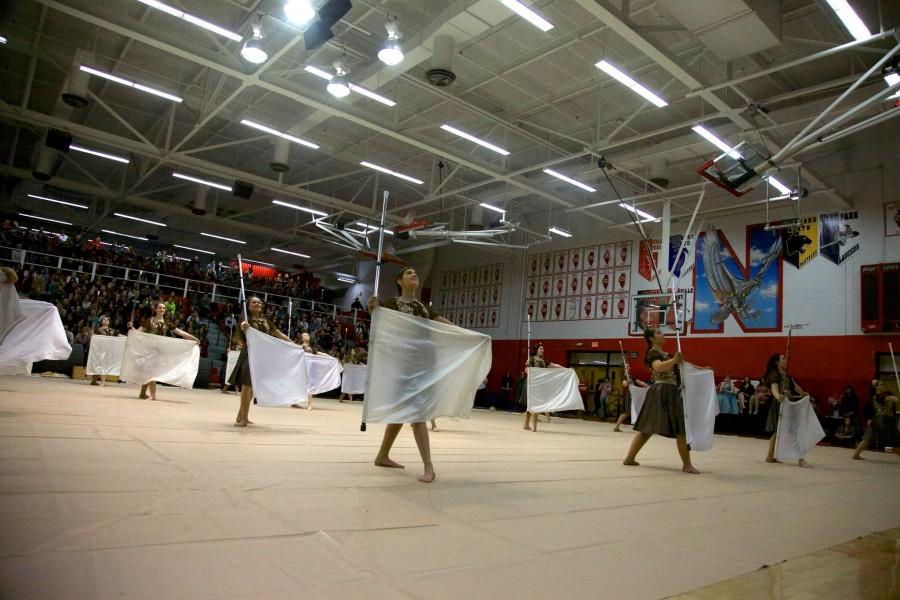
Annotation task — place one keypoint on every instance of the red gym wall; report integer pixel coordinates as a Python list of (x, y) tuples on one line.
[(823, 365)]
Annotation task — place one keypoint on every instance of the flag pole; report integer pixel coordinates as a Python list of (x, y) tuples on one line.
[(243, 297), (362, 426), (894, 363), (290, 314)]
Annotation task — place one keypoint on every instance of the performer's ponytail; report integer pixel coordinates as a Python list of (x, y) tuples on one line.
[(649, 333)]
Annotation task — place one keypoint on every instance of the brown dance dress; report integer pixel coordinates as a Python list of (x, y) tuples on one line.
[(241, 374), (882, 431), (663, 409)]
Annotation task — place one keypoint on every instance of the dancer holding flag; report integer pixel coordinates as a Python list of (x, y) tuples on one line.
[(536, 360), (881, 430), (158, 323), (796, 439)]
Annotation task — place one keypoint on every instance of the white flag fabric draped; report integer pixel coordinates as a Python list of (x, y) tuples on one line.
[(278, 370), (420, 369), (553, 390), (105, 355), (230, 361), (638, 395), (353, 380), (324, 373), (701, 405), (150, 357), (11, 311), (40, 335), (799, 430)]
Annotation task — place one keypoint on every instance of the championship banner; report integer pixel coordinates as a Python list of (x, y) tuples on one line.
[(278, 370), (799, 430), (324, 373), (353, 380), (150, 357), (420, 369), (553, 390), (38, 336), (105, 355)]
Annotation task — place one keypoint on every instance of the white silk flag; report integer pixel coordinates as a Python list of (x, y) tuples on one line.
[(150, 357), (230, 361), (11, 311), (420, 369), (701, 405), (278, 370), (353, 380), (105, 355), (638, 395), (324, 372), (799, 430), (553, 390), (40, 335)]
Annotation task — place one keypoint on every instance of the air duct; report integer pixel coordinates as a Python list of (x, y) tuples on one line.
[(441, 72), (279, 162), (199, 205), (75, 89)]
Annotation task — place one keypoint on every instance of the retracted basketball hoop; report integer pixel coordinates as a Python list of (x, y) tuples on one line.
[(738, 171)]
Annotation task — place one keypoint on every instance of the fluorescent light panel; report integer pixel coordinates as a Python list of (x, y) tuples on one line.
[(289, 252), (569, 180), (258, 262), (311, 211), (528, 14), (472, 138), (129, 83), (373, 228), (630, 83), (712, 139), (134, 237), (345, 280), (648, 218), (218, 186), (389, 172), (492, 207), (148, 221), (120, 159), (221, 237), (318, 72), (560, 232), (850, 19), (193, 249), (353, 87), (54, 200), (193, 19), (44, 219), (275, 132), (785, 190)]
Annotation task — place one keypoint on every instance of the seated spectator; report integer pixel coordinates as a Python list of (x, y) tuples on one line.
[(760, 398), (848, 403), (846, 434)]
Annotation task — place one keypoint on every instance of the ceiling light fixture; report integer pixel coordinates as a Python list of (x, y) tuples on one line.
[(129, 83), (351, 86), (389, 172), (338, 86), (192, 19), (785, 190), (560, 232), (220, 237), (259, 262), (192, 249), (311, 211), (120, 159), (54, 200), (372, 228), (569, 180), (648, 218), (892, 79), (630, 83), (492, 207), (183, 258), (148, 221), (253, 50), (134, 237), (2, 40), (299, 12), (472, 138), (528, 14), (286, 136), (318, 72), (712, 139), (44, 219), (850, 19), (391, 54), (218, 186), (346, 280), (289, 252)]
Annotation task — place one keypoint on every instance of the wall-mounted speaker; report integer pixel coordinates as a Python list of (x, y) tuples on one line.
[(58, 140), (242, 189)]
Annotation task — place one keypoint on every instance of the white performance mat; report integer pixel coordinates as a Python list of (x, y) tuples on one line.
[(150, 357), (553, 390), (105, 355), (324, 372), (353, 380), (421, 369), (38, 336), (799, 430), (278, 370), (230, 360), (701, 405)]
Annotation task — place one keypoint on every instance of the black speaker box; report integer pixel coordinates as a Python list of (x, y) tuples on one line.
[(242, 189), (58, 140)]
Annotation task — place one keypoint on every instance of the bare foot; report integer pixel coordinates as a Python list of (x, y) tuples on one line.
[(143, 396), (527, 428), (387, 462), (631, 463), (240, 423), (690, 469), (858, 458), (428, 477), (773, 460), (153, 398), (804, 464), (616, 428)]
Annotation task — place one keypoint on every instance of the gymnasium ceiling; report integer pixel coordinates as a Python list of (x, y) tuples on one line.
[(537, 94)]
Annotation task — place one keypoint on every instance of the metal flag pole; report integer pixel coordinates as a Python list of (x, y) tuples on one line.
[(677, 325), (528, 334), (243, 297), (625, 362), (290, 314), (894, 363), (362, 426)]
